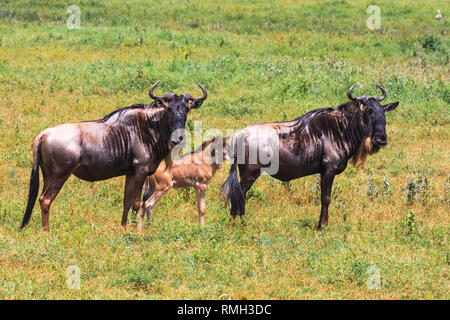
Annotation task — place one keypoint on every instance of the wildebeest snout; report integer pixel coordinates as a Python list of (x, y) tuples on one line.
[(176, 140), (380, 140)]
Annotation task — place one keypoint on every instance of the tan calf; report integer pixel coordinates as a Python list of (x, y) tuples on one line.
[(193, 170)]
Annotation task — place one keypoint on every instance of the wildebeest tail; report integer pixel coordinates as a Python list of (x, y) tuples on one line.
[(34, 184), (231, 191), (148, 191)]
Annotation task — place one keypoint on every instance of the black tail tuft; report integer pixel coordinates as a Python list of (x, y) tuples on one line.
[(147, 192), (32, 193), (231, 191)]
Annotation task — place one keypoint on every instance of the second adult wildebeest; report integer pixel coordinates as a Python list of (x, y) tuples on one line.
[(130, 141), (321, 141)]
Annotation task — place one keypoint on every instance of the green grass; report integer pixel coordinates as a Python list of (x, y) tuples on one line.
[(261, 61)]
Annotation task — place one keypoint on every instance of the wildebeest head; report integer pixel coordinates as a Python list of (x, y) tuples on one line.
[(376, 111), (178, 106)]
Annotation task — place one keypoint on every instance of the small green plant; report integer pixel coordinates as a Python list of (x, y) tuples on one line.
[(256, 195), (431, 43), (358, 270), (417, 189), (423, 188), (408, 227), (371, 189), (129, 238), (410, 190), (410, 222), (190, 125), (143, 276)]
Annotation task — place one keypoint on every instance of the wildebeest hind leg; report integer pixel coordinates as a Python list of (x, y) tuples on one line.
[(52, 186), (248, 174)]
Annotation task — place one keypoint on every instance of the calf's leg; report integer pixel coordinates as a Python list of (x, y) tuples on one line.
[(148, 205), (200, 192)]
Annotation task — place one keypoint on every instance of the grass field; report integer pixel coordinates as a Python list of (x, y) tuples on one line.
[(261, 61)]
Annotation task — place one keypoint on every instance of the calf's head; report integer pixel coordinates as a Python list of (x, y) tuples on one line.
[(178, 106), (376, 113)]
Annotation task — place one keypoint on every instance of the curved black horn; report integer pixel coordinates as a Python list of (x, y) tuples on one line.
[(349, 92), (150, 92), (205, 94), (383, 92)]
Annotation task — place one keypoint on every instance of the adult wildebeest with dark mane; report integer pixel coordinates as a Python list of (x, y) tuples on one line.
[(321, 141), (130, 141)]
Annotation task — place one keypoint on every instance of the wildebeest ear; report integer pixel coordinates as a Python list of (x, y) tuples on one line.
[(161, 102), (195, 104), (390, 106)]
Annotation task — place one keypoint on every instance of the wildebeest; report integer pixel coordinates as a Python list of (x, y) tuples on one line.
[(129, 141), (321, 141), (192, 170)]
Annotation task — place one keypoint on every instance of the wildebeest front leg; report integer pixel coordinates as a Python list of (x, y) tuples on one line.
[(133, 189), (326, 182), (200, 192)]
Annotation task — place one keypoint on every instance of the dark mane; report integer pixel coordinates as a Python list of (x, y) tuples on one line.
[(311, 114), (121, 111), (346, 105), (303, 120)]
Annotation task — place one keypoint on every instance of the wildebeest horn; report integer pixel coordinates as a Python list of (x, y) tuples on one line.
[(205, 94), (150, 92), (349, 92), (383, 91)]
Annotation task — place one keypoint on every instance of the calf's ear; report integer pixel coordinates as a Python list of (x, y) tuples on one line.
[(390, 106)]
